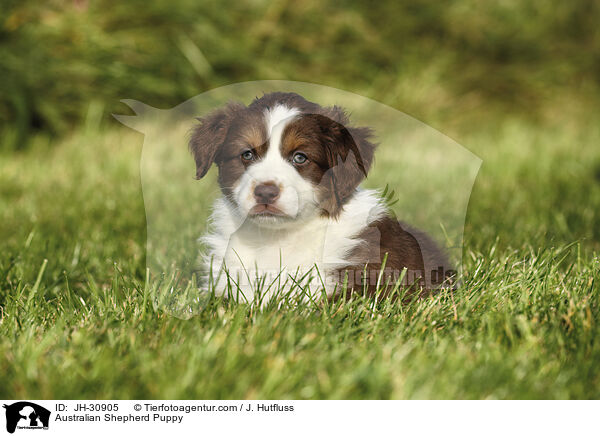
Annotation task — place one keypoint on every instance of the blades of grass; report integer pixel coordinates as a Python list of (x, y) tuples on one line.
[(36, 285)]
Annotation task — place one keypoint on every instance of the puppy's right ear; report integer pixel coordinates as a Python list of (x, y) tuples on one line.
[(209, 135)]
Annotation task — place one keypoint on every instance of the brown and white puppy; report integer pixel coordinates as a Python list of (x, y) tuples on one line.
[(292, 215)]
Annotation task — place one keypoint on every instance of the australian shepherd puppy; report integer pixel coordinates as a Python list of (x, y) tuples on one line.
[(291, 215)]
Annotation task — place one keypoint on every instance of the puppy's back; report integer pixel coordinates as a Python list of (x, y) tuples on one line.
[(401, 247)]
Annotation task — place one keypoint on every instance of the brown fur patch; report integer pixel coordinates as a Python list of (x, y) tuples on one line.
[(339, 157), (246, 132), (208, 137), (402, 248)]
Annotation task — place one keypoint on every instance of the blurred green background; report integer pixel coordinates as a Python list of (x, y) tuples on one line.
[(442, 62)]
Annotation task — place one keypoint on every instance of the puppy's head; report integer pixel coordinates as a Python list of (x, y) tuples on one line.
[(283, 158)]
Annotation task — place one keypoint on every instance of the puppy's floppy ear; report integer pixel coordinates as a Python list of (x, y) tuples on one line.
[(349, 152), (208, 137)]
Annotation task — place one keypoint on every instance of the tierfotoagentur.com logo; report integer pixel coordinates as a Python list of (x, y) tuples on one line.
[(25, 415)]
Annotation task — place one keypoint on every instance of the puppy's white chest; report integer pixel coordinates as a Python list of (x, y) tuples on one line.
[(246, 257), (268, 251)]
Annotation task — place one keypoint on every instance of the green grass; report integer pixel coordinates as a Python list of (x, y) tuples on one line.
[(78, 320)]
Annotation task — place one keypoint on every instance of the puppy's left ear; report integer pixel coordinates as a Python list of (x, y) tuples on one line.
[(350, 155), (208, 137)]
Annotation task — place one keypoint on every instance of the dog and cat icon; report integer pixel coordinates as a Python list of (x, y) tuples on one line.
[(26, 415)]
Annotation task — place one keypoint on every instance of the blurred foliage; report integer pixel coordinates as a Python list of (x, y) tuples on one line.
[(64, 62)]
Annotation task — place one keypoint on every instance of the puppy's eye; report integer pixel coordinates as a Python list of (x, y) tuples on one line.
[(299, 158), (247, 155)]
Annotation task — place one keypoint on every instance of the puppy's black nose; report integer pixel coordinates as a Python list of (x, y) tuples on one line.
[(266, 193)]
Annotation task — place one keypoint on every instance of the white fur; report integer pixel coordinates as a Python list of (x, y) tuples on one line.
[(276, 115), (297, 196), (256, 258)]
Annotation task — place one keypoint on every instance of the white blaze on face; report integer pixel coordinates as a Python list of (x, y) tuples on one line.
[(297, 196)]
